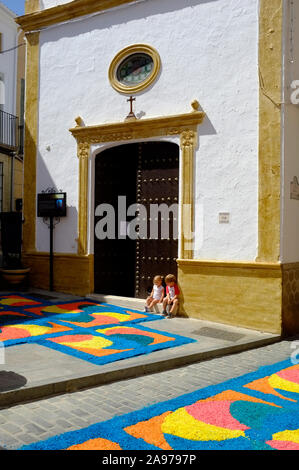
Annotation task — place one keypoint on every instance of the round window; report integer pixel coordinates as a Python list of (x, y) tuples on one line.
[(134, 68)]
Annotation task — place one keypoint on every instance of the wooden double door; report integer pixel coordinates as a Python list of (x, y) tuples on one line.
[(137, 245)]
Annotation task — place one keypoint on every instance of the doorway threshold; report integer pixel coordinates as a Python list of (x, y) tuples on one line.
[(128, 302)]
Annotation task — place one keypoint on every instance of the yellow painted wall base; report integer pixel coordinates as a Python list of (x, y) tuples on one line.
[(72, 273), (247, 295), (259, 296)]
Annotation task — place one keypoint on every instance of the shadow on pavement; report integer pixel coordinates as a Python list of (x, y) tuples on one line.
[(11, 381)]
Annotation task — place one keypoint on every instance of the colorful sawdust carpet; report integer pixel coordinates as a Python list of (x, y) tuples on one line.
[(16, 300), (110, 344), (97, 333), (19, 324), (258, 411)]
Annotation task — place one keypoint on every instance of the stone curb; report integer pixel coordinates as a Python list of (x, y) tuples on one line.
[(46, 390)]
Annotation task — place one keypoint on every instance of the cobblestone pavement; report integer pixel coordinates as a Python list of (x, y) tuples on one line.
[(31, 422)]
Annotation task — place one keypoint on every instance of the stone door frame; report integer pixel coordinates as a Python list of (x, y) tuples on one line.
[(182, 125)]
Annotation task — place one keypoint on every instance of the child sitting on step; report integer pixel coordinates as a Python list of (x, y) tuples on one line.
[(172, 296), (156, 295)]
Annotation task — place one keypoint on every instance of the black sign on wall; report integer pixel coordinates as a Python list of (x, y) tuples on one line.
[(51, 205)]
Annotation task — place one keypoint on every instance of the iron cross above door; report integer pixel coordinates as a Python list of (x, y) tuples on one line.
[(131, 114)]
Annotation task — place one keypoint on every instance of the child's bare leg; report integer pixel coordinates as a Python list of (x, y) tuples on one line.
[(153, 302), (174, 307), (165, 303), (148, 301), (169, 304)]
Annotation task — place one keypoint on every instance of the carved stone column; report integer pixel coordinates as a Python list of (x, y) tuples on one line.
[(83, 155), (187, 142)]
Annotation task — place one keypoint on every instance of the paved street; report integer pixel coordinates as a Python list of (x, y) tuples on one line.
[(31, 422)]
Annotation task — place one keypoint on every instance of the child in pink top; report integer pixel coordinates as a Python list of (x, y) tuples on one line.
[(172, 296)]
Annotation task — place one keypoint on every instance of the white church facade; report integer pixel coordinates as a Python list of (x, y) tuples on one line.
[(213, 128)]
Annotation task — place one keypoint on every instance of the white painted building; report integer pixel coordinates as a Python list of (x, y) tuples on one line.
[(8, 62), (11, 74), (230, 56)]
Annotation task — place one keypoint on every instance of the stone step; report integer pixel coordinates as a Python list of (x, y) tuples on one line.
[(127, 302)]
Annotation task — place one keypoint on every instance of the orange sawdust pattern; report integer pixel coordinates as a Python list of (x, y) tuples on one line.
[(14, 314), (262, 385), (96, 444), (102, 352), (58, 328), (150, 431), (237, 396), (62, 308)]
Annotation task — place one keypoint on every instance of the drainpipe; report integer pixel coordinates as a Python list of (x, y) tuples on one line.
[(12, 168)]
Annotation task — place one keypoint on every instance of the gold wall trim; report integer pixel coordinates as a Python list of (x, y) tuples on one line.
[(183, 125), (41, 19), (31, 6), (30, 145), (45, 254), (270, 74), (141, 128), (188, 142), (229, 264), (122, 55)]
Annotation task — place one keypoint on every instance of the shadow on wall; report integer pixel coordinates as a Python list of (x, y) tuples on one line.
[(65, 234), (36, 248), (206, 128), (45, 182), (130, 13)]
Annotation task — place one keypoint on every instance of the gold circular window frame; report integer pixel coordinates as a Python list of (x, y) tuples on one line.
[(121, 56)]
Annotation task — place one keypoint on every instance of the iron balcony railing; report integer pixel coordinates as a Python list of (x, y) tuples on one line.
[(8, 131)]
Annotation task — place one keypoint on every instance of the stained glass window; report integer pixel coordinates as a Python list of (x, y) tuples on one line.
[(135, 69)]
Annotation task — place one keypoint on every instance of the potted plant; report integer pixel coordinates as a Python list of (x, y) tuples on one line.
[(12, 269)]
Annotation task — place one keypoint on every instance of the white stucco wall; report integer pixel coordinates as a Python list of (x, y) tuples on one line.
[(44, 4), (209, 52), (290, 160), (8, 61)]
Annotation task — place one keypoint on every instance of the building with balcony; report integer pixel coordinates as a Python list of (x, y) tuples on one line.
[(12, 83)]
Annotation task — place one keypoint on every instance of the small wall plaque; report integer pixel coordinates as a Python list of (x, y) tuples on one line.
[(224, 218), (295, 188)]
